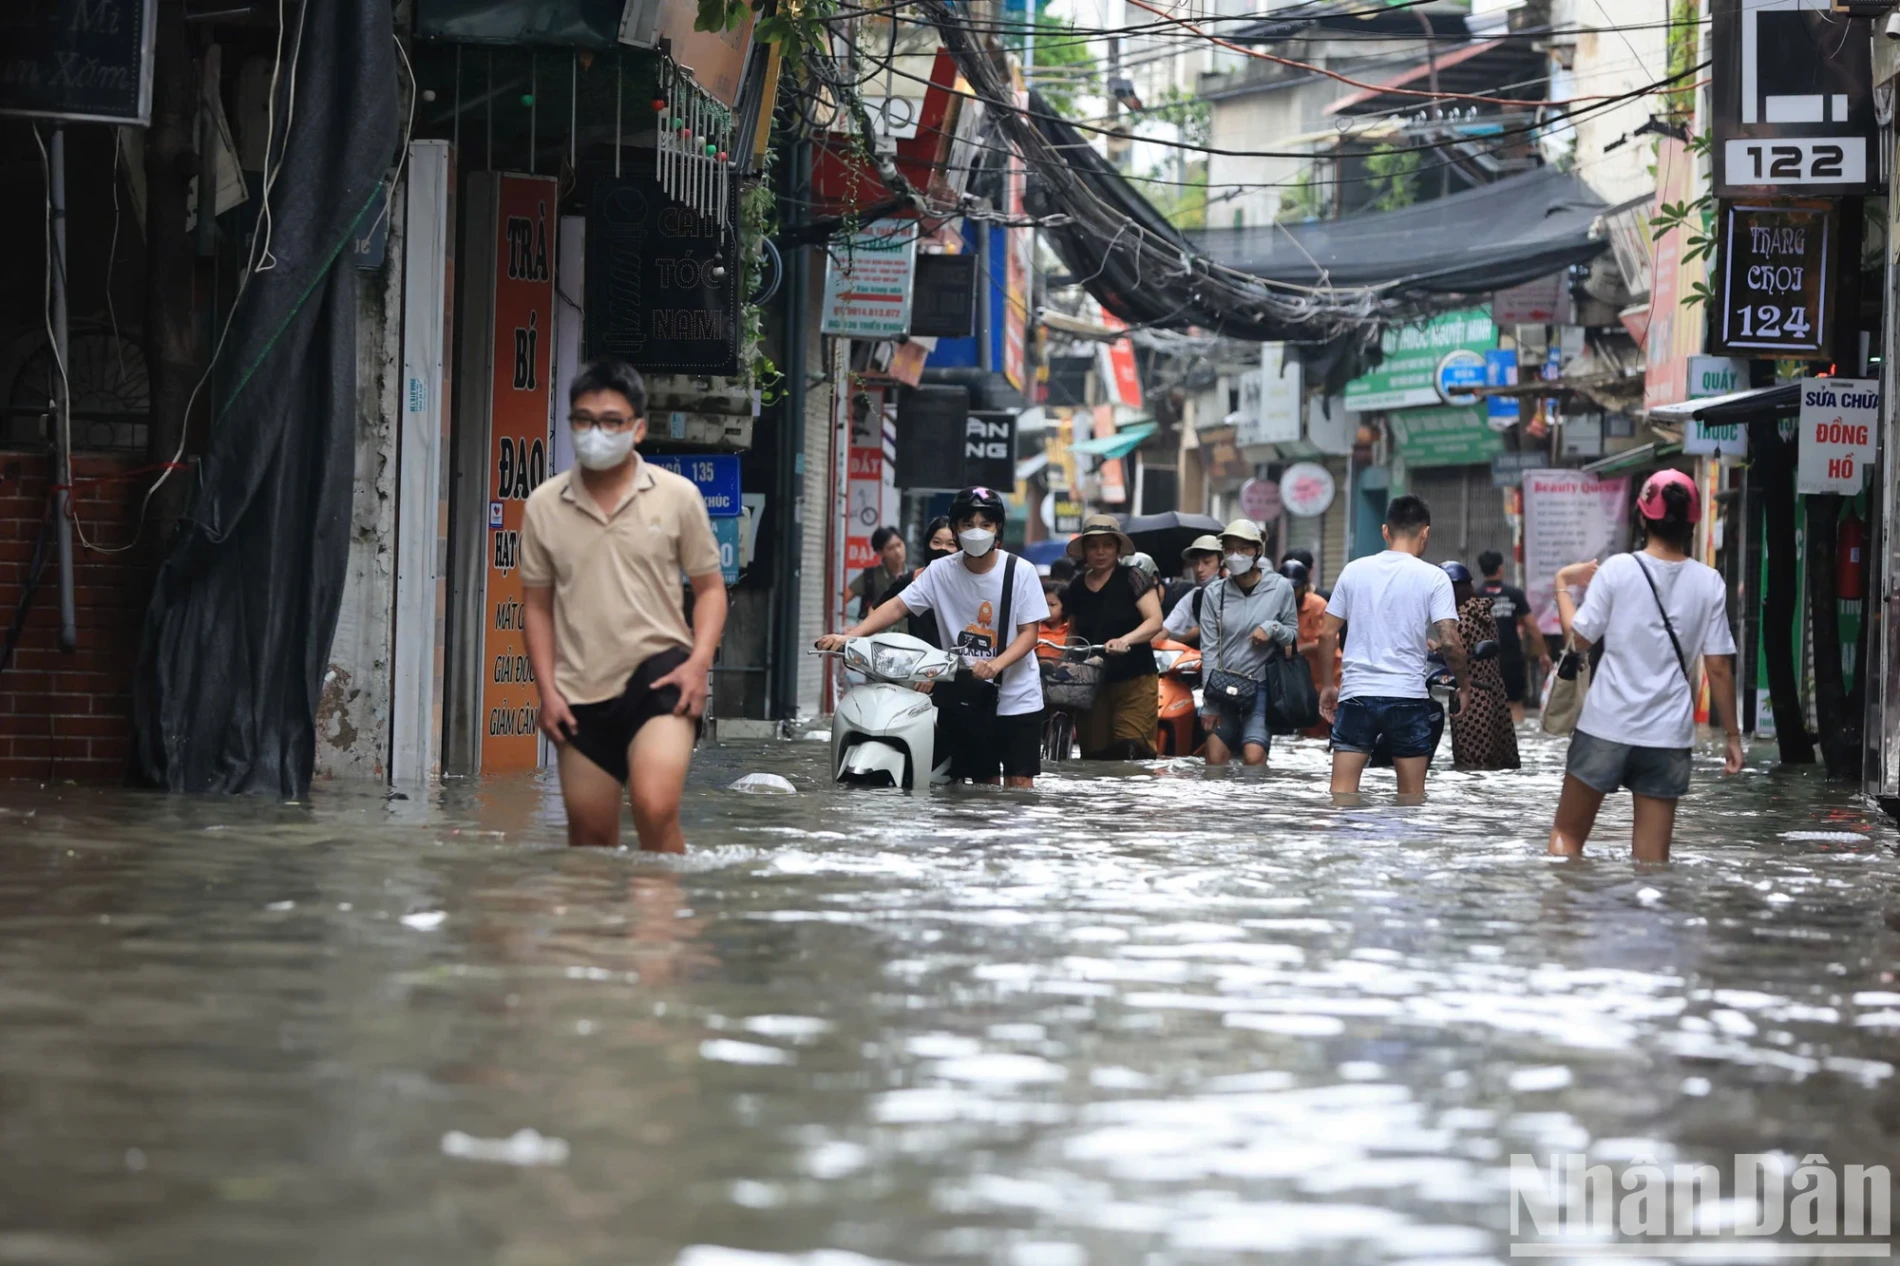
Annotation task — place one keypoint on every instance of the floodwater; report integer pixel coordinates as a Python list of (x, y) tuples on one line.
[(1140, 1015)]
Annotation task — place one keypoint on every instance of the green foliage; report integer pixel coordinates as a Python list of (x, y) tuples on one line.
[(758, 215), (1696, 219), (1302, 201), (1059, 48), (1184, 205), (1393, 177), (1192, 114)]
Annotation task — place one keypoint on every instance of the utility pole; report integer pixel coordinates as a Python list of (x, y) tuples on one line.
[(63, 410)]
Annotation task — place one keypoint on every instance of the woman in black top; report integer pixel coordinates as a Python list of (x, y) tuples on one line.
[(1117, 605)]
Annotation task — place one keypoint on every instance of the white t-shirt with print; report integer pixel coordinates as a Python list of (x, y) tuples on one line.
[(968, 607), (1389, 602), (1638, 693)]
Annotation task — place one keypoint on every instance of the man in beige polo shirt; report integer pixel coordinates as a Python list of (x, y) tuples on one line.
[(622, 677)]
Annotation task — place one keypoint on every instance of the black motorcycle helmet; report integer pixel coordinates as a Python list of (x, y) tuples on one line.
[(978, 500), (1294, 570)]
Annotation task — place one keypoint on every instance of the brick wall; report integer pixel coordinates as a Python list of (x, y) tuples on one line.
[(65, 715)]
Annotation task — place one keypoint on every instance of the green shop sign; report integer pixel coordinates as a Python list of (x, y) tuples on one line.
[(1443, 437), (1404, 379)]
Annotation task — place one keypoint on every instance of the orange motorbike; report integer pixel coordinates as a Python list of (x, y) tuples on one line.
[(1178, 729)]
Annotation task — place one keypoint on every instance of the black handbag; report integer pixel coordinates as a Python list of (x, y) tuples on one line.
[(1292, 699)]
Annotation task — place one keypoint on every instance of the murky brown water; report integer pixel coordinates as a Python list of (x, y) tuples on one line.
[(1151, 1017)]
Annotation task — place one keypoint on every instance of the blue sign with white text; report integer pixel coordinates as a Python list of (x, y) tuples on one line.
[(1500, 370), (716, 475), (727, 532)]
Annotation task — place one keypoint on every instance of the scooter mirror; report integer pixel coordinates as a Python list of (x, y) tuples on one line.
[(1487, 649)]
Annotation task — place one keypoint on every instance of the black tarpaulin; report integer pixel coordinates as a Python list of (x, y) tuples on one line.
[(239, 628), (1499, 235)]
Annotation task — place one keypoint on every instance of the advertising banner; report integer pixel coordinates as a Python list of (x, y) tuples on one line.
[(868, 281), (1275, 397), (1569, 517), (517, 457), (1407, 378), (1675, 329)]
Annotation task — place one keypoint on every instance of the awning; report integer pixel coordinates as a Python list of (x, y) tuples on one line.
[(1489, 238), (1641, 455), (1120, 444), (1030, 467), (1737, 406)]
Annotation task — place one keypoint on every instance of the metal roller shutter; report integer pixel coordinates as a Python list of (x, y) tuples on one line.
[(1467, 512)]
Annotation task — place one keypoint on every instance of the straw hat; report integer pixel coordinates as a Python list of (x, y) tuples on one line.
[(1243, 530), (1102, 525), (1206, 543)]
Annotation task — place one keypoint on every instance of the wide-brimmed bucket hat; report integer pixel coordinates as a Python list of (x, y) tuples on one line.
[(1101, 525)]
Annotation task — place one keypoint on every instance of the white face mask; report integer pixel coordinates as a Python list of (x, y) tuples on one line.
[(598, 450), (1240, 564), (977, 542)]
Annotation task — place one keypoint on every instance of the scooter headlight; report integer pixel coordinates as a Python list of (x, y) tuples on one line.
[(894, 662), (1166, 660), (854, 657)]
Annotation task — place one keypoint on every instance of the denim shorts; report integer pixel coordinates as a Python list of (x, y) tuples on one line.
[(1237, 723), (1661, 773), (1405, 724)]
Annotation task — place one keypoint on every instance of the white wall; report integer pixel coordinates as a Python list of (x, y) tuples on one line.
[(1608, 62)]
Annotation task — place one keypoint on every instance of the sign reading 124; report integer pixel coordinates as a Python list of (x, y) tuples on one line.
[(1775, 264)]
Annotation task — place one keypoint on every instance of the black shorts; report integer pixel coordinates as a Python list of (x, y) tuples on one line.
[(603, 731), (986, 747), (1516, 681)]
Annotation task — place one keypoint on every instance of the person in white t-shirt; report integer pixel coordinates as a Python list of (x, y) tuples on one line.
[(1389, 605), (990, 717), (1637, 728)]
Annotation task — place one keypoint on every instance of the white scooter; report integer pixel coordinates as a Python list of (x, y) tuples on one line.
[(884, 733)]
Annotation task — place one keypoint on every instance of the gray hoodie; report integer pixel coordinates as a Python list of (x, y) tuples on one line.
[(1229, 615)]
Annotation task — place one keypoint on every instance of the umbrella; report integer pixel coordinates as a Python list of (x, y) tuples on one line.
[(1165, 535)]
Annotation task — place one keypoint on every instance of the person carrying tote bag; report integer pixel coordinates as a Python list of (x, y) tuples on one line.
[(1564, 692)]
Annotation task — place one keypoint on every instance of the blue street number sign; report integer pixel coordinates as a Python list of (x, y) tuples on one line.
[(727, 533), (716, 475)]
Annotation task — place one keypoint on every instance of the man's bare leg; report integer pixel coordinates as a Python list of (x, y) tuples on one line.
[(657, 761), (1347, 767), (1576, 814), (1411, 775), (592, 799)]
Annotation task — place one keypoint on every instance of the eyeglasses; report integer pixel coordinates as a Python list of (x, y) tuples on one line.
[(609, 422)]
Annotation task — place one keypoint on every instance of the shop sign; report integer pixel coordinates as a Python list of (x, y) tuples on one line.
[(868, 282), (1444, 437), (1839, 417), (1792, 100), (1016, 269), (1270, 401), (1458, 372), (1220, 457), (659, 294), (1569, 517), (78, 60), (1500, 370), (1306, 489), (728, 534), (1776, 259), (1260, 500), (1120, 379), (1507, 469), (1544, 301), (1062, 514), (1111, 481), (519, 395), (1715, 376), (1407, 377), (716, 475)]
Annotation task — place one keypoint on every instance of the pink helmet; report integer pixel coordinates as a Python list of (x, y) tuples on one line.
[(1650, 500)]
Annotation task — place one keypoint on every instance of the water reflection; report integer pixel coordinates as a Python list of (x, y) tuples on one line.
[(1140, 1014)]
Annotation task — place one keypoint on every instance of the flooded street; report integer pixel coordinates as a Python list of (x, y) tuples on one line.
[(1140, 1015)]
